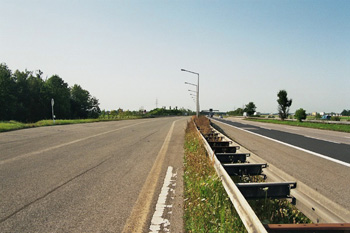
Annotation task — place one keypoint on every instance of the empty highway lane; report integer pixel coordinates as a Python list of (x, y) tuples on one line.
[(86, 177), (333, 145)]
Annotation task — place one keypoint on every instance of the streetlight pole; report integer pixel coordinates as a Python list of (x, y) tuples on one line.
[(53, 115), (197, 107)]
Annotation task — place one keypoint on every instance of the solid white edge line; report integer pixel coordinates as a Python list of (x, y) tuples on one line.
[(322, 139), (292, 146), (157, 219)]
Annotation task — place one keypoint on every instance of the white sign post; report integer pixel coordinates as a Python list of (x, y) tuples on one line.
[(53, 115)]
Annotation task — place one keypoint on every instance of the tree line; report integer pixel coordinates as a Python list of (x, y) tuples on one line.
[(345, 112), (25, 96), (283, 109)]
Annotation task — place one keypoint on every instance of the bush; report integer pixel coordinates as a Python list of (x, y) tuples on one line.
[(335, 118), (300, 114)]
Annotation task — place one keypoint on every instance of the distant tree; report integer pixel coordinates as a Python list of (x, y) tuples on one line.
[(300, 114), (94, 110), (23, 96), (237, 112), (345, 112), (114, 113), (79, 102), (8, 99), (59, 91), (39, 101), (83, 105), (318, 116), (250, 108), (283, 104)]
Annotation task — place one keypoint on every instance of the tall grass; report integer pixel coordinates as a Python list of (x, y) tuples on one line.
[(207, 206)]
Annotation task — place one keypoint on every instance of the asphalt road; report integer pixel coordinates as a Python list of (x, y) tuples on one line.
[(87, 177), (329, 178), (334, 145)]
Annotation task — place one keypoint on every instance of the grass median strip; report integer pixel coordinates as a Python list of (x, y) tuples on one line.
[(207, 206)]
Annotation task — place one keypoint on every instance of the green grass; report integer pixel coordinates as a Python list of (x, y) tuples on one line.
[(207, 206), (325, 126), (342, 118), (11, 125), (14, 125)]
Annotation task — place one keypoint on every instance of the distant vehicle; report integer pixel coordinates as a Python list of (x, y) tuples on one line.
[(220, 116), (326, 117)]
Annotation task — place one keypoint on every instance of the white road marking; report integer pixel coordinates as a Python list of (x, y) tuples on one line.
[(322, 139), (295, 147), (158, 222), (265, 128), (138, 217)]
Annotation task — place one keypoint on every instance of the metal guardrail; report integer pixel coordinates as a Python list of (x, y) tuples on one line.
[(244, 210), (314, 205), (240, 192)]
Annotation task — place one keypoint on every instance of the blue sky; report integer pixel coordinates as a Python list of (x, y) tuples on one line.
[(129, 53)]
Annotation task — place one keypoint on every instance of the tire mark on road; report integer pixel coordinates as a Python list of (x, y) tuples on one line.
[(52, 190), (64, 144)]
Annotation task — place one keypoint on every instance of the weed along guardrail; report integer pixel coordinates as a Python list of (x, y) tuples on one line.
[(245, 185)]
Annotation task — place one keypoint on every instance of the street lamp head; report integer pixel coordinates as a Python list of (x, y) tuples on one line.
[(183, 70)]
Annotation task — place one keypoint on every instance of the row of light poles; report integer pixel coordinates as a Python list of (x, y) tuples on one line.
[(197, 92)]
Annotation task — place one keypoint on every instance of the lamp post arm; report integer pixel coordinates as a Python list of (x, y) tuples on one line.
[(196, 86)]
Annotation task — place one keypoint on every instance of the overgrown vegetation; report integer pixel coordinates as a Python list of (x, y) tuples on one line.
[(207, 206), (277, 211), (326, 126)]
